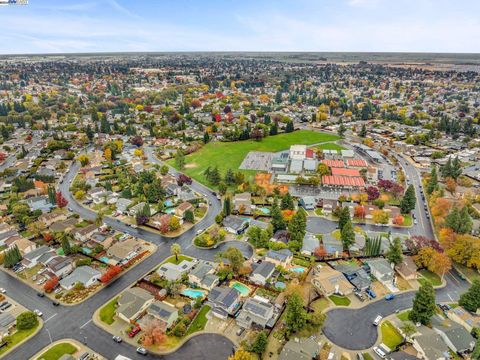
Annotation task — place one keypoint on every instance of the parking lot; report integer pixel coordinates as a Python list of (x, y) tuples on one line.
[(256, 160)]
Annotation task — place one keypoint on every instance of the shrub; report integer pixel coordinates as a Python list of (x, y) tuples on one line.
[(27, 320)]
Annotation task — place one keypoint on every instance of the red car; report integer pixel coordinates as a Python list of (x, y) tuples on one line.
[(134, 332)]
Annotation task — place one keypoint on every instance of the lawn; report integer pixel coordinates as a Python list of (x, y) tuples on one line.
[(367, 356), (340, 300), (320, 305), (172, 259), (433, 278), (57, 351), (407, 220), (470, 274), (390, 335), (404, 315), (199, 322), (229, 155), (17, 338), (108, 312)]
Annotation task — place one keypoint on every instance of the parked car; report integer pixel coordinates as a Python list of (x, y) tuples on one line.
[(390, 297), (142, 351), (359, 295), (40, 294), (240, 331), (117, 339), (38, 312), (377, 320), (55, 303), (134, 332), (2, 291), (371, 293), (84, 356), (379, 352)]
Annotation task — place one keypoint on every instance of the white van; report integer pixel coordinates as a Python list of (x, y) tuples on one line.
[(377, 320)]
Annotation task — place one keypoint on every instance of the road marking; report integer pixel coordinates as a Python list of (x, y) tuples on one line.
[(51, 317), (448, 294), (81, 327)]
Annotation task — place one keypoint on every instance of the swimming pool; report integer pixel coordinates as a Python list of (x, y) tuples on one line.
[(242, 288), (264, 210), (298, 269), (192, 293), (170, 211), (168, 203), (86, 250), (104, 259)]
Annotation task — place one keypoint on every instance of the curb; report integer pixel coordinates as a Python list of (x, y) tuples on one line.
[(40, 326)]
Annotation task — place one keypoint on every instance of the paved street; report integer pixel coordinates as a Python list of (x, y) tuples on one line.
[(353, 329)]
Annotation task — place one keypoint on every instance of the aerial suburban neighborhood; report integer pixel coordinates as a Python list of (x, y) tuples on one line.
[(237, 205)]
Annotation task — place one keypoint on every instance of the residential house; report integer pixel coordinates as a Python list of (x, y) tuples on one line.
[(164, 312), (382, 271), (50, 218), (310, 243), (136, 208), (235, 224), (181, 209), (24, 245), (60, 266), (7, 323), (281, 257), (307, 202), (7, 235), (454, 335), (83, 233), (280, 236), (329, 206), (407, 268), (300, 349), (262, 272), (224, 301), (430, 346), (123, 204), (464, 317), (85, 275), (329, 281), (202, 276), (132, 303), (40, 203), (357, 275), (173, 272), (242, 203), (256, 311), (332, 245), (64, 226), (32, 258), (125, 250)]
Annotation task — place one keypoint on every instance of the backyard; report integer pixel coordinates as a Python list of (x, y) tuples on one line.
[(216, 153), (390, 335), (199, 322), (57, 351)]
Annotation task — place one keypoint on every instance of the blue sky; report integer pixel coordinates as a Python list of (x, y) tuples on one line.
[(51, 26)]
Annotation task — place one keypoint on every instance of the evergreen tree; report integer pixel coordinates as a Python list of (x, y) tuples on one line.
[(146, 210), (394, 252), (344, 217), (433, 183), (278, 222), (206, 137), (347, 235), (180, 159), (51, 195), (273, 129), (215, 176), (295, 314), (189, 216), (297, 226), (423, 305), (408, 202), (289, 128), (230, 177), (89, 132), (287, 202), (363, 131), (260, 343), (466, 222), (471, 299), (67, 249), (227, 206)]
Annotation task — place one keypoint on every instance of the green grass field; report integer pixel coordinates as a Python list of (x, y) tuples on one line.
[(108, 312), (57, 351), (340, 300), (172, 259), (199, 322), (17, 337), (229, 155), (433, 278), (403, 315), (390, 335)]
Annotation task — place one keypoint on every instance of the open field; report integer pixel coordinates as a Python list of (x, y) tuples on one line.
[(229, 155)]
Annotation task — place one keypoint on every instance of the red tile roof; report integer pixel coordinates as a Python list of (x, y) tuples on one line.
[(309, 153), (334, 163), (352, 181), (345, 172), (357, 163)]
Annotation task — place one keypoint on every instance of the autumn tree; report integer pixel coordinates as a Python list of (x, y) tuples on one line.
[(440, 264), (466, 251), (359, 212), (450, 185), (380, 216), (153, 331), (60, 200), (50, 284), (424, 257), (176, 250), (373, 193), (111, 272), (242, 354)]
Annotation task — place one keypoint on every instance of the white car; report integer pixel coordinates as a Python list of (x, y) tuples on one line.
[(377, 320), (38, 312), (3, 291), (379, 352)]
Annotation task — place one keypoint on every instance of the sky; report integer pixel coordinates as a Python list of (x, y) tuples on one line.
[(71, 26)]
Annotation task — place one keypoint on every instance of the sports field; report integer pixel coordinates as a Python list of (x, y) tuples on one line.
[(229, 155)]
